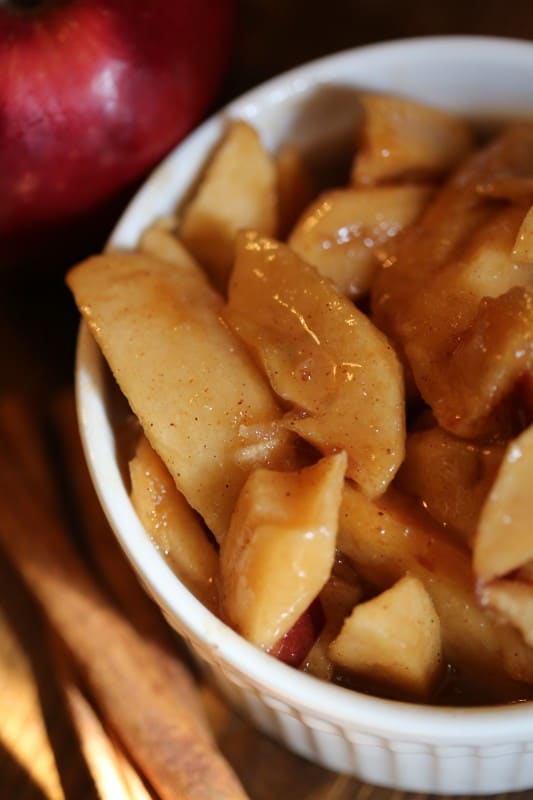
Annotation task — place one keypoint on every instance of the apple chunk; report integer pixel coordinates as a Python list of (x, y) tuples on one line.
[(172, 524), (512, 602), (280, 548), (504, 539), (322, 356), (523, 246), (388, 538), (238, 190), (345, 233), (394, 639), (159, 240), (202, 403), (449, 477), (401, 138)]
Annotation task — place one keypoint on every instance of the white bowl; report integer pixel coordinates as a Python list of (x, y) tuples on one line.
[(408, 747)]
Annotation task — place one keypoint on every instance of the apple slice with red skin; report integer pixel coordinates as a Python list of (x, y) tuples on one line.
[(293, 647)]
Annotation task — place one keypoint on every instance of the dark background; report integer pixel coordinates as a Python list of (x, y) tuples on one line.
[(274, 35)]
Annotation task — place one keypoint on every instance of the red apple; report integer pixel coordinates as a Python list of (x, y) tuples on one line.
[(92, 94)]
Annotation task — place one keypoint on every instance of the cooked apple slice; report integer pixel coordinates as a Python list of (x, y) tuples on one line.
[(160, 241), (344, 234), (321, 355), (238, 190), (449, 224), (450, 477), (512, 602), (394, 639), (388, 538), (469, 333), (402, 139), (523, 246), (516, 654), (451, 300), (280, 548), (202, 403), (172, 525), (504, 540)]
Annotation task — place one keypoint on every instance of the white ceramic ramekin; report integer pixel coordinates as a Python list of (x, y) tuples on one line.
[(408, 747)]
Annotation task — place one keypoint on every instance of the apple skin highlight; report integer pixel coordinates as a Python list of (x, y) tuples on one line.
[(93, 93)]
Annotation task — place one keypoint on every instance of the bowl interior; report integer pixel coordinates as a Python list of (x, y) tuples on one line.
[(478, 77)]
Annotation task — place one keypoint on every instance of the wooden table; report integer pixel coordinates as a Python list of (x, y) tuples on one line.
[(39, 754)]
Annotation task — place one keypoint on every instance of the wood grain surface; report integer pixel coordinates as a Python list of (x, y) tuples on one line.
[(40, 755)]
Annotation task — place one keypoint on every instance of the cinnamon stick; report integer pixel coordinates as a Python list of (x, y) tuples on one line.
[(113, 775), (22, 425), (139, 697)]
